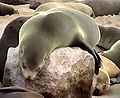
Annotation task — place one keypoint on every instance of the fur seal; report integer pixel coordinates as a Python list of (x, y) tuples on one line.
[(55, 28), (10, 38), (17, 92), (103, 7), (35, 3), (109, 35), (78, 6), (15, 2), (114, 53), (108, 70), (103, 82), (6, 9)]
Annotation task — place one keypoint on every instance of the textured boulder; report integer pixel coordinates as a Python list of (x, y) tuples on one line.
[(68, 73)]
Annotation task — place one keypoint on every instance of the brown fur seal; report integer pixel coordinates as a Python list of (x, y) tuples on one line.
[(78, 6), (109, 35), (15, 2), (108, 70), (114, 53), (35, 3), (6, 9), (57, 27), (17, 92), (103, 7), (10, 38)]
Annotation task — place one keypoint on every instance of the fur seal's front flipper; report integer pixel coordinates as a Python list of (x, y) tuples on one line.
[(80, 42)]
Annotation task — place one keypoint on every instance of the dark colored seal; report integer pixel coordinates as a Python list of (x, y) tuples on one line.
[(109, 35), (6, 9), (103, 7), (10, 38), (17, 92), (15, 2)]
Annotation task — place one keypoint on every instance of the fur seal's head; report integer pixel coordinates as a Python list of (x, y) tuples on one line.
[(31, 58)]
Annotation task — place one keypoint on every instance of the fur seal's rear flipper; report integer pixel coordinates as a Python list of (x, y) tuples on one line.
[(80, 42), (18, 92), (12, 89)]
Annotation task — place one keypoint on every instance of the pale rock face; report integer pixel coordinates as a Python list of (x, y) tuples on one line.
[(68, 73)]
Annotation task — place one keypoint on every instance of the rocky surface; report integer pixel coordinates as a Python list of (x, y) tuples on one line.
[(66, 70)]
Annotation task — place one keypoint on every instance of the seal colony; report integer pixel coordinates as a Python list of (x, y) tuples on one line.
[(55, 28)]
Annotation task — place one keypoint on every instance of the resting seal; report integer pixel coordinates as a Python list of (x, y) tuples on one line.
[(57, 27), (109, 35), (78, 6), (10, 38), (6, 9), (108, 70), (15, 2), (103, 7), (17, 92), (114, 53)]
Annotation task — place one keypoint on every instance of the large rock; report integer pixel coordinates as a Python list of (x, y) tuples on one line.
[(68, 73)]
